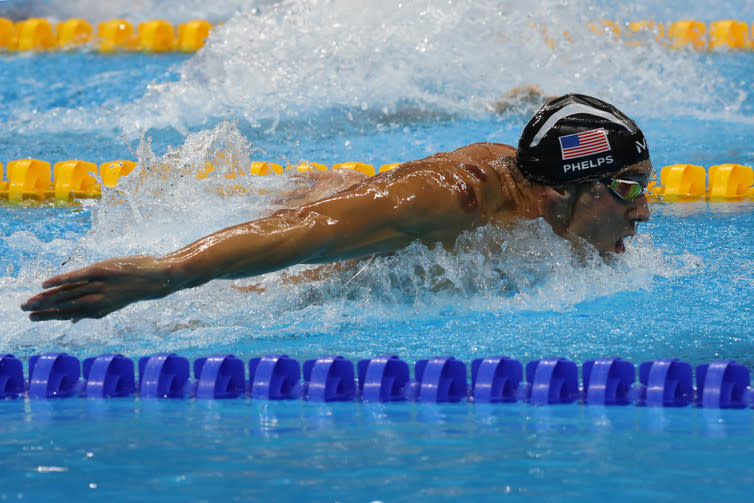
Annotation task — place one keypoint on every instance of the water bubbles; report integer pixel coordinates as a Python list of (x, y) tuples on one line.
[(302, 59), (522, 267)]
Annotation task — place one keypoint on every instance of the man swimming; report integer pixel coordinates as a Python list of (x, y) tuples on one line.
[(581, 165)]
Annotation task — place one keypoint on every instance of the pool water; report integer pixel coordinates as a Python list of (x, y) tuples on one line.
[(326, 84), (238, 450)]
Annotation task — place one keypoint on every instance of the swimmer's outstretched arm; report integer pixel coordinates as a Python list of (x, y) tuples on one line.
[(381, 215)]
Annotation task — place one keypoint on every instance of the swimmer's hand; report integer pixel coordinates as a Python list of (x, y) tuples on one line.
[(97, 290)]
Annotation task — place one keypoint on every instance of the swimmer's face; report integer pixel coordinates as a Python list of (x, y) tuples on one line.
[(604, 219)]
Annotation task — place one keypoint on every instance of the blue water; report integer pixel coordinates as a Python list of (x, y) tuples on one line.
[(237, 450), (683, 289)]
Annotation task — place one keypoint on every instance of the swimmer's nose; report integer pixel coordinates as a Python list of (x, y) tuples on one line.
[(641, 213)]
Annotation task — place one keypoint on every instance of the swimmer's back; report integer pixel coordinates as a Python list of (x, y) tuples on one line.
[(482, 155), (478, 174)]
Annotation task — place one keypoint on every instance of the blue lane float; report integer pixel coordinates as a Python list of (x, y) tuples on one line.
[(664, 382), (275, 377), (330, 379), (11, 377), (495, 379), (109, 376), (553, 381), (219, 376), (383, 379), (54, 375), (163, 376), (722, 385), (608, 381), (440, 379)]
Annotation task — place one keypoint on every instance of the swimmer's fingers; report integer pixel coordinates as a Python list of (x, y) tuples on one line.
[(80, 275), (54, 297), (73, 314), (54, 314), (87, 306)]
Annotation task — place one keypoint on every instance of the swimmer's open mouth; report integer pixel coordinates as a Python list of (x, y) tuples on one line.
[(620, 246)]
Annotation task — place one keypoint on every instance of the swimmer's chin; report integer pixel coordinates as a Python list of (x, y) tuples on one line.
[(605, 251), (618, 248)]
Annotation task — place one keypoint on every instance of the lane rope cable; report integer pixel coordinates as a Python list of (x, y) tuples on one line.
[(665, 382)]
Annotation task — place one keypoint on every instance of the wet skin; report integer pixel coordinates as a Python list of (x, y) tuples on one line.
[(603, 219), (430, 200)]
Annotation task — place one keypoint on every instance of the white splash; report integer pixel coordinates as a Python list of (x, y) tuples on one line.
[(299, 59), (322, 63), (162, 206)]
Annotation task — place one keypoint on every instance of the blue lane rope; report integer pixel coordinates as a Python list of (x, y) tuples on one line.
[(666, 382)]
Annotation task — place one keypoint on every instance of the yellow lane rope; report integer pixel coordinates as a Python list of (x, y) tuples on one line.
[(39, 34), (34, 179)]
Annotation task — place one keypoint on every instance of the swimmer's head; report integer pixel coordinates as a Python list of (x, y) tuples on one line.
[(577, 138)]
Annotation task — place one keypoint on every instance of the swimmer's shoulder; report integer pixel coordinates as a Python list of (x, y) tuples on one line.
[(486, 152), (482, 154), (483, 167), (484, 158), (474, 174), (483, 161)]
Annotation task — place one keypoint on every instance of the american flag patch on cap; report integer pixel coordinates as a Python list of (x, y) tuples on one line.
[(585, 143)]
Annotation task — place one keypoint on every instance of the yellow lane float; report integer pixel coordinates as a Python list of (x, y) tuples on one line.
[(73, 179), (729, 181), (687, 33), (362, 167), (116, 35), (8, 39), (682, 182), (156, 36), (111, 171), (265, 168), (35, 34), (28, 178), (74, 33), (192, 35), (729, 34)]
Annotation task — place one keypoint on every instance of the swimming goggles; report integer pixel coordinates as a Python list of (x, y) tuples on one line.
[(625, 189)]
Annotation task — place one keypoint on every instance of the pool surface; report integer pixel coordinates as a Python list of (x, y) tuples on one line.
[(308, 81)]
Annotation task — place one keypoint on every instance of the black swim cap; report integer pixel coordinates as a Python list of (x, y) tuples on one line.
[(577, 138)]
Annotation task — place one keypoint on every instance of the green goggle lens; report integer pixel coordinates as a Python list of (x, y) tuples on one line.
[(628, 190)]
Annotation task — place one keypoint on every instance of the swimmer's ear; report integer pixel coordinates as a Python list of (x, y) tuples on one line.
[(561, 194), (557, 205), (560, 189)]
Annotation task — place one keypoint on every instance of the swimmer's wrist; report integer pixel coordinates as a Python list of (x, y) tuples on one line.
[(175, 275), (169, 277)]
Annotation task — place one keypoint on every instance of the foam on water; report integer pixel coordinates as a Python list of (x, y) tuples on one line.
[(178, 11), (329, 63)]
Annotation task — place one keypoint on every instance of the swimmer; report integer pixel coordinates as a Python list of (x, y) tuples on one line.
[(581, 165)]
